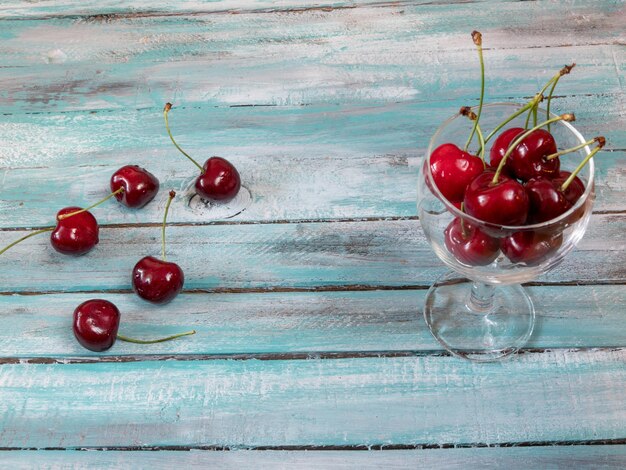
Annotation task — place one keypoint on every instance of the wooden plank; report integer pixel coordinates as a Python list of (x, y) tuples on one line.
[(296, 322), (522, 458), (303, 255), (369, 401), (367, 55), (319, 162)]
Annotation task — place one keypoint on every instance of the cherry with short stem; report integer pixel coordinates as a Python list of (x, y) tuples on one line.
[(467, 111), (516, 142), (172, 195), (478, 41), (166, 110), (65, 216), (61, 217), (601, 141), (572, 176)]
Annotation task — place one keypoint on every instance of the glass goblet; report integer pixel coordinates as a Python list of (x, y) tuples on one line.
[(479, 310)]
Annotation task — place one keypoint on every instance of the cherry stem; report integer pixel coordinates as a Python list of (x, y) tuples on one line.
[(167, 208), (71, 214), (25, 237), (522, 110), (478, 40), (578, 147), (571, 177), (516, 142), (535, 115), (152, 341), (467, 111), (167, 108), (564, 71)]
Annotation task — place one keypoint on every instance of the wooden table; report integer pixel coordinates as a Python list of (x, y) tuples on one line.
[(306, 292)]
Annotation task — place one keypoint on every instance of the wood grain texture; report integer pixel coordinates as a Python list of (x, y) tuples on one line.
[(356, 55), (318, 162), (597, 457), (303, 255), (276, 324), (370, 401)]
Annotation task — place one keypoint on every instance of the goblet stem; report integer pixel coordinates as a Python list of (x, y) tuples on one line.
[(481, 298)]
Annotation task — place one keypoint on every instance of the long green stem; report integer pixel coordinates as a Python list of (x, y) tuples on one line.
[(478, 40), (550, 100), (25, 237), (571, 177), (535, 115), (520, 111), (530, 111), (152, 341), (467, 111), (168, 106), (552, 156), (71, 214), (516, 142), (167, 208)]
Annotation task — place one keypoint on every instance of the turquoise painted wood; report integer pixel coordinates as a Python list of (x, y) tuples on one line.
[(306, 291), (285, 255), (295, 322), (409, 400), (515, 458)]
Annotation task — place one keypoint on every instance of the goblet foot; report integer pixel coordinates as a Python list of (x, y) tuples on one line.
[(476, 321)]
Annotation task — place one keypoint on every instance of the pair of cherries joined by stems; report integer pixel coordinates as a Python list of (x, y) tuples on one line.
[(155, 280), (522, 184)]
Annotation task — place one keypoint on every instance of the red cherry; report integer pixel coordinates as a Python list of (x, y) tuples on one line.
[(501, 144), (96, 323), (528, 159), (453, 170), (75, 235), (220, 180), (574, 191), (546, 200), (469, 244), (530, 247), (157, 281), (140, 186), (503, 203)]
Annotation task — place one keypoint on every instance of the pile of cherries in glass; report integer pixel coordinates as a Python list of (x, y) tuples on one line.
[(521, 184), (155, 280)]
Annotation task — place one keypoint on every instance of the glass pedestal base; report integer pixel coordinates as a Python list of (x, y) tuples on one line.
[(476, 321)]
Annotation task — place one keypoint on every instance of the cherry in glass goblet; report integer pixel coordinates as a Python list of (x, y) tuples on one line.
[(479, 310)]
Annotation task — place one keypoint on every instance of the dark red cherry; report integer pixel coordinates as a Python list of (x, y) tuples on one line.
[(220, 180), (453, 170), (530, 247), (96, 323), (574, 191), (504, 202), (140, 186), (470, 245), (75, 235), (547, 201), (157, 281), (501, 145)]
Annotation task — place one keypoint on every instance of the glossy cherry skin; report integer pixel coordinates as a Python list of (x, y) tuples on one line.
[(574, 191), (530, 247), (501, 145), (140, 186), (547, 201), (469, 244), (502, 203), (220, 180), (157, 281), (528, 159), (453, 170), (96, 323), (75, 235)]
